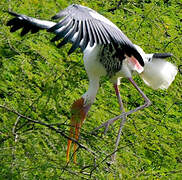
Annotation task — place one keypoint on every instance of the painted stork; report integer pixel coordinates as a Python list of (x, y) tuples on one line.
[(107, 52)]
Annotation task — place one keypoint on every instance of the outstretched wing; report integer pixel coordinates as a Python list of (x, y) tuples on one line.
[(28, 24), (79, 25), (82, 26)]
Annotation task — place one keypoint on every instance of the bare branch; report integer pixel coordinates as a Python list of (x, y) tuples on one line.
[(14, 129), (50, 127), (143, 20)]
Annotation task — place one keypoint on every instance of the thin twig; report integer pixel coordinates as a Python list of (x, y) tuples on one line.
[(108, 156), (50, 127), (14, 129), (143, 20)]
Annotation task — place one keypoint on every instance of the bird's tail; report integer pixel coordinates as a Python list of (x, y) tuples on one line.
[(28, 24), (158, 73)]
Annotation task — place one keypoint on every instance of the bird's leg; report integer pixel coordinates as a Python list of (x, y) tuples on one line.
[(121, 107), (146, 104), (147, 100), (122, 122)]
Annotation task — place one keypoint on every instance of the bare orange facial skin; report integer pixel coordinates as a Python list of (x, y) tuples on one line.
[(78, 115)]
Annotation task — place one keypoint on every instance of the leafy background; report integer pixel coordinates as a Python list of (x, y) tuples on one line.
[(38, 84)]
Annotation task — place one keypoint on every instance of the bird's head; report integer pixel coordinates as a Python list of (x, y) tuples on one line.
[(156, 56), (158, 73), (149, 57), (79, 112)]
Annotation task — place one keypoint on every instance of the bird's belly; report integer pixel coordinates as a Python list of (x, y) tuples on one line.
[(91, 61), (102, 60), (111, 57), (124, 72)]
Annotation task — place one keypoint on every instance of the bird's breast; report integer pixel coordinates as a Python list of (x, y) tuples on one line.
[(107, 59), (111, 57), (92, 62)]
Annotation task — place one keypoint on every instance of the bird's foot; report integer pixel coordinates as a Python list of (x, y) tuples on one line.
[(108, 123)]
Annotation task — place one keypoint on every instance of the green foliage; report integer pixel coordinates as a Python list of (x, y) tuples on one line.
[(38, 83)]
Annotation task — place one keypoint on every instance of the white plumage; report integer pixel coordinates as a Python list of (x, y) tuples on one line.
[(157, 73)]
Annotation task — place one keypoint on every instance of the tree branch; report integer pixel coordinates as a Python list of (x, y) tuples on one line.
[(50, 127)]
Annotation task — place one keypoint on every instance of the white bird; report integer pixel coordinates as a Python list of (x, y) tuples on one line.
[(107, 52)]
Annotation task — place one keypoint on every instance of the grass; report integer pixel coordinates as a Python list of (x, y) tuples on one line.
[(40, 82)]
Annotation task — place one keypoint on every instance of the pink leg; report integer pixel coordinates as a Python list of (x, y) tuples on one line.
[(121, 107), (113, 157), (118, 96), (146, 104)]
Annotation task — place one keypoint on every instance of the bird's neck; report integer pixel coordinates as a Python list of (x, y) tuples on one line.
[(90, 95)]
